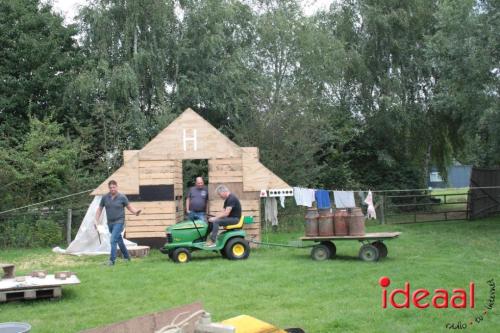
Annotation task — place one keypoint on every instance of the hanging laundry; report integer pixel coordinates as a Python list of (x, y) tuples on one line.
[(361, 195), (282, 201), (344, 199), (370, 213), (271, 211), (303, 196), (323, 199)]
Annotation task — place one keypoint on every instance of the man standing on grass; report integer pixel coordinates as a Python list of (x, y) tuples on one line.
[(197, 201), (229, 216), (115, 204)]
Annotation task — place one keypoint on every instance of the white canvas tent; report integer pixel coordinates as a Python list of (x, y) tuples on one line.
[(87, 241)]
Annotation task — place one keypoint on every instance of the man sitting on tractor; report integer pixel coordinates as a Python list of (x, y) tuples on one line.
[(229, 216)]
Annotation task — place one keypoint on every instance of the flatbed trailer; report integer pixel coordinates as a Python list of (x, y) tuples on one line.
[(372, 245)]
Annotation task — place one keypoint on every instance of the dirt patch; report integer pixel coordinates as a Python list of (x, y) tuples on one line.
[(50, 260)]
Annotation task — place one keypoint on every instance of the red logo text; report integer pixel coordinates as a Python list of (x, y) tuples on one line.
[(422, 298)]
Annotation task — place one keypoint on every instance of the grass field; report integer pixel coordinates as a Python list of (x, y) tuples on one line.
[(279, 285)]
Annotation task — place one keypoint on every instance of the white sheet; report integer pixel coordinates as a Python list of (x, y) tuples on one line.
[(86, 241)]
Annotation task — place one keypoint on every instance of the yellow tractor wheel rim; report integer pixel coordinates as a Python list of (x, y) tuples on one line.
[(238, 250), (183, 257)]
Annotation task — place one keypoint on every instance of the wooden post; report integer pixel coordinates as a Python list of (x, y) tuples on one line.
[(68, 226), (382, 208), (415, 209)]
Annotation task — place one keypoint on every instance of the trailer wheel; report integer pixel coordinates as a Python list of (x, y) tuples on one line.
[(181, 255), (237, 248), (382, 248), (369, 252), (320, 252), (331, 246)]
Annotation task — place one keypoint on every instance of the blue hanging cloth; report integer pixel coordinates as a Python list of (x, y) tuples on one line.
[(323, 199)]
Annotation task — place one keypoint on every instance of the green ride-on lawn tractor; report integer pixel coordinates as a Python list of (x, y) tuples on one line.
[(188, 236)]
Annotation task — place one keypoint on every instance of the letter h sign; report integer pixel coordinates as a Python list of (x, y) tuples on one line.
[(185, 139)]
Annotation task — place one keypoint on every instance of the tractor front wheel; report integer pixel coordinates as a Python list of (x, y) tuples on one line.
[(237, 248), (181, 255)]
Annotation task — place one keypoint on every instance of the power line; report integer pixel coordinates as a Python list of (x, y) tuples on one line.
[(44, 202)]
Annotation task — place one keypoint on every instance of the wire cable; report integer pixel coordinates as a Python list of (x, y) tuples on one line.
[(46, 201)]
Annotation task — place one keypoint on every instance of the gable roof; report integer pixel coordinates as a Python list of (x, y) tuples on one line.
[(190, 136)]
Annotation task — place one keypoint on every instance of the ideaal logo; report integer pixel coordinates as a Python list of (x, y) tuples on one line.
[(460, 298), (421, 298)]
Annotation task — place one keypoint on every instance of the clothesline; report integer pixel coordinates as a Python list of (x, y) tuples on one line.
[(410, 190)]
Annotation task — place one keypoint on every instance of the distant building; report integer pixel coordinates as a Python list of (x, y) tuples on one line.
[(458, 176)]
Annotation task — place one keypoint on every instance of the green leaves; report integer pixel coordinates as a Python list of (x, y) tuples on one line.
[(44, 164), (36, 58), (370, 92)]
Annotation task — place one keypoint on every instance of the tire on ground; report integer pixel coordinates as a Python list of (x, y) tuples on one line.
[(368, 252), (237, 248), (331, 246), (382, 248), (181, 255), (320, 252)]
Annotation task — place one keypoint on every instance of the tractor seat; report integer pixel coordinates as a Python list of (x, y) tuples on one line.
[(238, 225)]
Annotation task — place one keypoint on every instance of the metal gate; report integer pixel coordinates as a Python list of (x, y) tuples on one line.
[(415, 206), (484, 194)]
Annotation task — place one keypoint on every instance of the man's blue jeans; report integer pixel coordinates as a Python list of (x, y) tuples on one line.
[(197, 216), (115, 229)]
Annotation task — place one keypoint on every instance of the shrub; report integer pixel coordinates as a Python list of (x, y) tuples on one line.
[(30, 232)]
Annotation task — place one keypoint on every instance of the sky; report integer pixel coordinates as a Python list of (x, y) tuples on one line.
[(69, 8)]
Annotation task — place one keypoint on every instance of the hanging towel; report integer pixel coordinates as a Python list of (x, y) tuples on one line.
[(370, 213), (323, 199), (361, 196), (344, 199), (271, 214), (282, 201), (303, 196)]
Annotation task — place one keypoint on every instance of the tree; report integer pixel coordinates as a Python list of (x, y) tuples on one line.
[(464, 57), (214, 54), (37, 57), (46, 164)]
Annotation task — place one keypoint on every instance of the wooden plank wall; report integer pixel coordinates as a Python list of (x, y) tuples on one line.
[(210, 143), (227, 170), (160, 172), (178, 191), (156, 215)]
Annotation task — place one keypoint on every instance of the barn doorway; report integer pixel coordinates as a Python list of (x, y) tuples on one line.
[(190, 170)]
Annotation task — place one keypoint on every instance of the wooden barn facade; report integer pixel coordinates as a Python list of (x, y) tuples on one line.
[(152, 177)]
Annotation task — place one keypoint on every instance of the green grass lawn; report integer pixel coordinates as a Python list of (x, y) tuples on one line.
[(279, 285)]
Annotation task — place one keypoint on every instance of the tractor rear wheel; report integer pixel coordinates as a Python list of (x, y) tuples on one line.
[(237, 248), (181, 255)]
